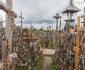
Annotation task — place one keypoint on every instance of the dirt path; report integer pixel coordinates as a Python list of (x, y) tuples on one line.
[(47, 63)]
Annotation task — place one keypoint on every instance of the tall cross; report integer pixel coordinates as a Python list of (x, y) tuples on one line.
[(21, 17), (57, 17)]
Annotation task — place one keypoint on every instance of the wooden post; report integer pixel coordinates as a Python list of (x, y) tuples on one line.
[(76, 49), (9, 24)]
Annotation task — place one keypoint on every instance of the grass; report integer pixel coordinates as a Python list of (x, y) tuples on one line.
[(53, 65), (39, 64)]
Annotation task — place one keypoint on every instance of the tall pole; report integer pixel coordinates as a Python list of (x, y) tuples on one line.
[(9, 24), (21, 25), (21, 17), (60, 25), (84, 21), (31, 29), (76, 49), (9, 33), (57, 17)]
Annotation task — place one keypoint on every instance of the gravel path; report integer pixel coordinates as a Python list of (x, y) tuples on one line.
[(47, 63)]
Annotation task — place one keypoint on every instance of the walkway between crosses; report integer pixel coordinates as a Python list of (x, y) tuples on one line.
[(47, 63), (47, 58)]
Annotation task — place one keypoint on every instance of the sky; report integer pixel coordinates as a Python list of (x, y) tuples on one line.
[(41, 11)]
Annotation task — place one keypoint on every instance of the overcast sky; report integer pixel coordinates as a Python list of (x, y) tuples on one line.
[(41, 9), (33, 9)]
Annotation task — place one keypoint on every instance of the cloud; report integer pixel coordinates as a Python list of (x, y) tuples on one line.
[(41, 10)]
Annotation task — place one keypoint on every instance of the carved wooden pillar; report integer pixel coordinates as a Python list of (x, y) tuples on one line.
[(9, 24)]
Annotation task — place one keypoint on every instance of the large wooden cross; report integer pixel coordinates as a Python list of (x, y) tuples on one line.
[(10, 15)]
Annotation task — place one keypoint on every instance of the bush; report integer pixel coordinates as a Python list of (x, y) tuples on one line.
[(39, 64)]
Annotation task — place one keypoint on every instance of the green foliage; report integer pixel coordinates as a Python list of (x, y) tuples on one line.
[(53, 65), (25, 67), (39, 64)]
